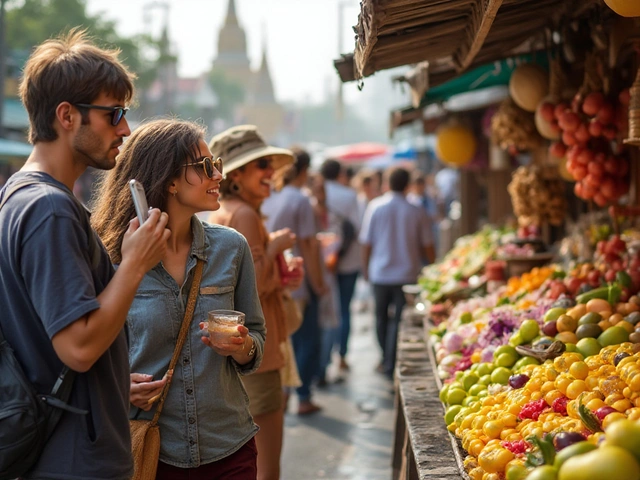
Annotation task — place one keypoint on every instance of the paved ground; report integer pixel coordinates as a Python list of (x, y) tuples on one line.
[(351, 438)]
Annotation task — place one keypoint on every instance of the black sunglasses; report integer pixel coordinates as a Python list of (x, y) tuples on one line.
[(208, 164), (117, 113), (263, 163)]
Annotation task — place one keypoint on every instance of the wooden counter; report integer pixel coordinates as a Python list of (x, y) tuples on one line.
[(422, 445)]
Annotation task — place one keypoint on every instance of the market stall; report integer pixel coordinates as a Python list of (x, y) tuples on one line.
[(527, 345)]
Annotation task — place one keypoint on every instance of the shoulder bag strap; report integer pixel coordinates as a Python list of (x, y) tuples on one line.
[(182, 336)]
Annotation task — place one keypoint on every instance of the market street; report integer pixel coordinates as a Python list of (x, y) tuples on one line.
[(351, 438)]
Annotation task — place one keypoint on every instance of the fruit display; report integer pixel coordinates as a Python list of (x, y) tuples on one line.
[(467, 258), (541, 380), (537, 195)]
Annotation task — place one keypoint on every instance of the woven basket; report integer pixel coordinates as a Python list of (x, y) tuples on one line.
[(634, 113)]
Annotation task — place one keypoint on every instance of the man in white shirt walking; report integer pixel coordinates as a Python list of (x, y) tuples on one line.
[(396, 238)]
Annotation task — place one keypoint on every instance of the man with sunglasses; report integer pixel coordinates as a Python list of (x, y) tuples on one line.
[(64, 307)]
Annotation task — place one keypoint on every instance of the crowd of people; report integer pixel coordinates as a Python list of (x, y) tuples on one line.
[(281, 243)]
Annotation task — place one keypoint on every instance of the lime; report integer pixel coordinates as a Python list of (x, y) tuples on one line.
[(506, 360), (516, 472), (485, 379), (485, 368), (455, 396), (529, 330), (469, 379), (613, 336), (543, 472), (469, 400), (571, 347), (588, 346), (444, 392), (516, 339), (524, 361), (483, 393), (504, 349), (455, 384), (451, 413), (501, 375), (476, 389), (554, 313)]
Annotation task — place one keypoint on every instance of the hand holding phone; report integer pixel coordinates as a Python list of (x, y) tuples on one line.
[(139, 200)]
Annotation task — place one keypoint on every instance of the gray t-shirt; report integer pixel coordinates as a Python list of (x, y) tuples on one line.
[(290, 208), (47, 283)]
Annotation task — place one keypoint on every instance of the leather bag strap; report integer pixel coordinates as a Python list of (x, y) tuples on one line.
[(182, 336)]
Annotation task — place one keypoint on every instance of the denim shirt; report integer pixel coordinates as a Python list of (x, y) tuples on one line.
[(206, 413)]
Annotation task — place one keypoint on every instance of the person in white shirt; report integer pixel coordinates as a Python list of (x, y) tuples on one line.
[(396, 239)]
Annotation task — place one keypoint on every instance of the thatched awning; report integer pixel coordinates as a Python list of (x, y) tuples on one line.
[(452, 35)]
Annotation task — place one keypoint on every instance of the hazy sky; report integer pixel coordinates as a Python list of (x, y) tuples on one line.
[(302, 37)]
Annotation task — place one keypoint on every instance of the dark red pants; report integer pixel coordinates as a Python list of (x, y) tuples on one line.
[(237, 466)]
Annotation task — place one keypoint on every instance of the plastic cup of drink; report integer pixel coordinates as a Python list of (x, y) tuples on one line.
[(223, 324)]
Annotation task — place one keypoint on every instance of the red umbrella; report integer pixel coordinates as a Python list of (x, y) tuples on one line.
[(357, 152)]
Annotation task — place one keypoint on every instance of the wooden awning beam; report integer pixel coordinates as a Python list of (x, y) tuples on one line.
[(466, 53)]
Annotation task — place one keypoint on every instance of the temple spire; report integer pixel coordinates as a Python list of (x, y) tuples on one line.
[(263, 87), (232, 18)]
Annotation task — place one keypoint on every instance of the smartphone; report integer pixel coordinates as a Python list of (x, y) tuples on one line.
[(139, 200)]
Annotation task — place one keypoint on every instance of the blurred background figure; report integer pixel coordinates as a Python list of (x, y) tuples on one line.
[(422, 195), (328, 303), (396, 239), (342, 204), (249, 166), (446, 182), (288, 207), (367, 185), (367, 188)]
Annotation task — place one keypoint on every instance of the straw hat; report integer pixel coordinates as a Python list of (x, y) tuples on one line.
[(240, 145)]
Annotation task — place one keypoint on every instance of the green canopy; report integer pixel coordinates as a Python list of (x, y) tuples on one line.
[(489, 75)]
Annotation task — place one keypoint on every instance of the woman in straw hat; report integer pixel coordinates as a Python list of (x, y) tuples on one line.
[(206, 429), (249, 167)]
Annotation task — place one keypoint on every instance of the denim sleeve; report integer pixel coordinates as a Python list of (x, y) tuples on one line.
[(247, 301)]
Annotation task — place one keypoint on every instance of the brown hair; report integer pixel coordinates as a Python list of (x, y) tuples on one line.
[(154, 155), (69, 69), (287, 174)]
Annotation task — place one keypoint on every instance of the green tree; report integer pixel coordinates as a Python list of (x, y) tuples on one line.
[(30, 22), (230, 94)]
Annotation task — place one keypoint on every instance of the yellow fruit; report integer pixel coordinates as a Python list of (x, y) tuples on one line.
[(579, 370), (612, 418), (575, 388)]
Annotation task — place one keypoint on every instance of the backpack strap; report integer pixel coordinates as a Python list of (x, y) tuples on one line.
[(94, 248), (61, 390)]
